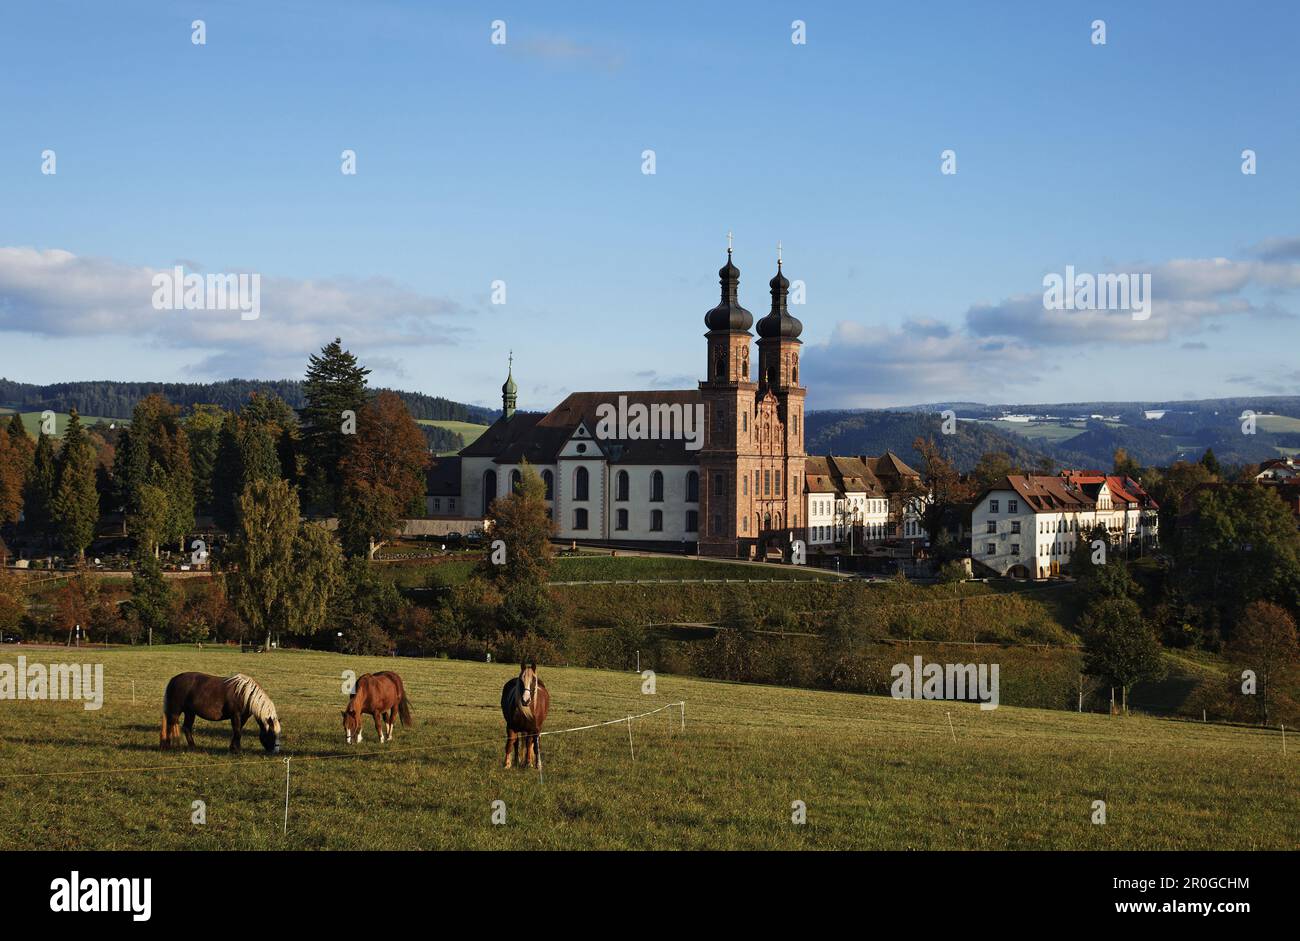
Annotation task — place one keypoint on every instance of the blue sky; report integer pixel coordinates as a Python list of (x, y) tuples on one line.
[(522, 163)]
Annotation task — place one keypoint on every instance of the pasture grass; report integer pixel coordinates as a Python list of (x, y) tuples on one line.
[(874, 773)]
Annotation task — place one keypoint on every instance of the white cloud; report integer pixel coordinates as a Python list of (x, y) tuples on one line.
[(56, 294)]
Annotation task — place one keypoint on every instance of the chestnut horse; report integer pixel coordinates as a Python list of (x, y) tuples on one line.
[(380, 695), (215, 698), (524, 703)]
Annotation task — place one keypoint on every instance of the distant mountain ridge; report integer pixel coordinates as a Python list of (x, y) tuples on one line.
[(114, 399), (1078, 434)]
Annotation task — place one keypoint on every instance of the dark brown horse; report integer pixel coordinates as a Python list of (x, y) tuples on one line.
[(380, 695), (215, 698), (524, 703)]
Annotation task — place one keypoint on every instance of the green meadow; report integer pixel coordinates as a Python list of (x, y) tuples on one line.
[(872, 772)]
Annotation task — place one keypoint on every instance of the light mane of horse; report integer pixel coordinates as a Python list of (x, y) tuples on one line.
[(254, 699)]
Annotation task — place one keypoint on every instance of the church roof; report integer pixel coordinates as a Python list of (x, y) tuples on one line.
[(539, 439), (442, 478)]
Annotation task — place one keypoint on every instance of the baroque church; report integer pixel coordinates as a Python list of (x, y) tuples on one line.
[(735, 489)]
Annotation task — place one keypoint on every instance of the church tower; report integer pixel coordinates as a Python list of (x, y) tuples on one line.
[(728, 394), (779, 413)]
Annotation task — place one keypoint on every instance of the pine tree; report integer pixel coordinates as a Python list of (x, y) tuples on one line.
[(203, 426), (335, 384), (38, 494), (75, 508)]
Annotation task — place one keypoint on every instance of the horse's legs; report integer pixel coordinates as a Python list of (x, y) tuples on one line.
[(379, 729), (237, 724), (189, 728), (391, 719), (537, 751), (510, 742)]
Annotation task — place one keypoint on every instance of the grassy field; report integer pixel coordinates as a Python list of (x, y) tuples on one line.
[(874, 773), (612, 568), (32, 421), (468, 431)]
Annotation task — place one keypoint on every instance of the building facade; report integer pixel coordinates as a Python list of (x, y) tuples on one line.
[(719, 469), (1027, 526)]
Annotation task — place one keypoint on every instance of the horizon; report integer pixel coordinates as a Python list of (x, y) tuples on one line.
[(921, 285)]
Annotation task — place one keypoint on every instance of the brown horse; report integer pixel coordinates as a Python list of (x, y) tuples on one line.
[(380, 695), (524, 703), (215, 698)]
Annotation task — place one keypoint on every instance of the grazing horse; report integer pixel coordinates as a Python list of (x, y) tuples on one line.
[(215, 698), (380, 695), (524, 703)]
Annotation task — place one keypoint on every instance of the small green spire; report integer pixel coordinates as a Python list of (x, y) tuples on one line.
[(508, 389)]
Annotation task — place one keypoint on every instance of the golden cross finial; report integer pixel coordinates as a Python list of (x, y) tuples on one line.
[(728, 241), (778, 254)]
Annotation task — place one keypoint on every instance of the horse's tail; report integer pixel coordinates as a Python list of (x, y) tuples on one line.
[(165, 738), (404, 704)]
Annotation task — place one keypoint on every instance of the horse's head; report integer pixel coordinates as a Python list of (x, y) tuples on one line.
[(528, 683), (270, 735), (352, 723)]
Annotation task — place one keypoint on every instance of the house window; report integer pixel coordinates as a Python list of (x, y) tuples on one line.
[(993, 527), (451, 504), (489, 490), (1015, 527), (620, 519), (692, 487), (656, 521), (744, 485), (990, 549), (719, 485), (692, 521), (776, 487), (580, 491), (516, 480), (767, 483), (657, 487), (580, 518), (1013, 506), (1015, 548), (549, 479), (717, 524), (437, 504), (620, 486), (993, 506)]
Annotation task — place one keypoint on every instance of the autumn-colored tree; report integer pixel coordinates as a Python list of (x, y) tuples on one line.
[(382, 475), (13, 476), (1125, 466), (13, 602), (74, 604), (1264, 640), (947, 488)]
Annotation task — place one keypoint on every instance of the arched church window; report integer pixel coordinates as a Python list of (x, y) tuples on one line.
[(580, 489)]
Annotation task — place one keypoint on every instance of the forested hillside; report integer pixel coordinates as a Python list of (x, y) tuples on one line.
[(112, 399)]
